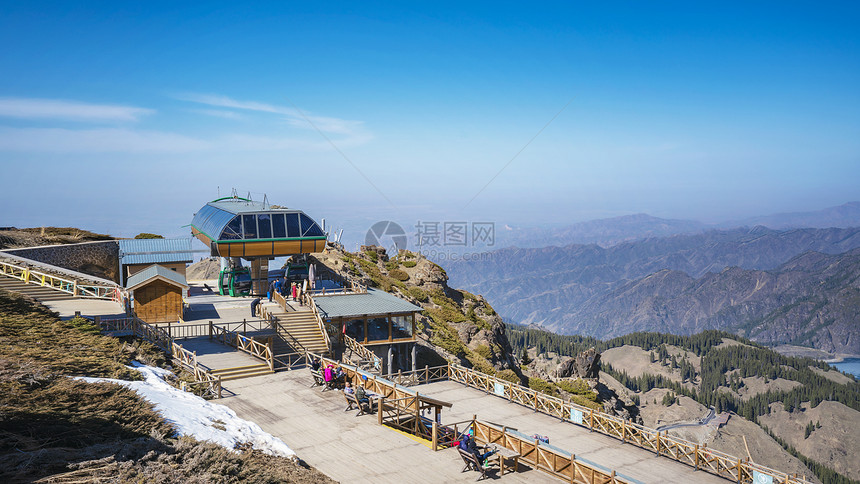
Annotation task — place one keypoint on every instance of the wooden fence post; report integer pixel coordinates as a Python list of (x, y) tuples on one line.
[(244, 326), (623, 431), (435, 436), (380, 403), (210, 330), (697, 456)]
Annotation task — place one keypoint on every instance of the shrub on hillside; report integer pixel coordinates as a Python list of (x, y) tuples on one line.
[(399, 275)]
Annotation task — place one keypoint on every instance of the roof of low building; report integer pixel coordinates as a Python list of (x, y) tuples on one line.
[(374, 302), (156, 271), (155, 251)]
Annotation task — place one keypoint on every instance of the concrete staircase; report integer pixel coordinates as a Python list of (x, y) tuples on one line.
[(40, 293), (301, 326), (238, 372)]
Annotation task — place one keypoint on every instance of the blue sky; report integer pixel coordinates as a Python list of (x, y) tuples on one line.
[(128, 117)]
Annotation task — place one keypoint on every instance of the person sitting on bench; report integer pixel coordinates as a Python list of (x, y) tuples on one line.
[(468, 444), (361, 396)]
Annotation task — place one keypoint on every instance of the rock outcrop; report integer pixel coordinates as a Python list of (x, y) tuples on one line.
[(584, 365), (457, 325)]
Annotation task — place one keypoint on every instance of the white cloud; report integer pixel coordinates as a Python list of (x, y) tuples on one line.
[(294, 117), (219, 113), (32, 108), (59, 140)]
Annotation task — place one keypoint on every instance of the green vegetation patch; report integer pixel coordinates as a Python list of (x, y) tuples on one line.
[(409, 263), (508, 375), (146, 235), (418, 294), (541, 385), (399, 275)]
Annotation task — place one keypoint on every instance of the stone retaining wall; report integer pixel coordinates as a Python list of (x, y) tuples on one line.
[(99, 259)]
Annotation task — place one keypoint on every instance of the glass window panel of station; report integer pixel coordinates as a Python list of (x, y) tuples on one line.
[(233, 230), (401, 326), (264, 225), (355, 329), (377, 329), (310, 228), (249, 223), (279, 227), (293, 229)]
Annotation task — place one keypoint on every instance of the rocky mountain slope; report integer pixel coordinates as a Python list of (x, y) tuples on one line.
[(789, 413), (812, 300), (681, 284)]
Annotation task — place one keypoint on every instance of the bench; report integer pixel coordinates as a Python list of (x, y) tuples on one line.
[(319, 380), (471, 461), (352, 404)]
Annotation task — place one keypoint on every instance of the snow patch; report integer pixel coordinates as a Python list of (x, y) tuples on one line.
[(196, 417)]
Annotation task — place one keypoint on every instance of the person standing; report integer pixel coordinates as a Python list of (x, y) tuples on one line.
[(293, 290), (254, 305)]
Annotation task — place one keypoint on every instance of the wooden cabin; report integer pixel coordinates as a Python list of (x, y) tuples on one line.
[(157, 292)]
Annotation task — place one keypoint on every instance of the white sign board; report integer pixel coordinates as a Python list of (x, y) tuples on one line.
[(576, 416), (499, 389), (759, 478)]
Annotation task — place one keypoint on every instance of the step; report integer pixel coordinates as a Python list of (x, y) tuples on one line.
[(247, 375), (232, 372), (236, 368)]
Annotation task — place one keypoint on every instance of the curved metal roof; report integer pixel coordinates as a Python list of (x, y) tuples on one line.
[(239, 219)]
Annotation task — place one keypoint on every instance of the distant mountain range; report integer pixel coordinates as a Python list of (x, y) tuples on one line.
[(847, 215), (611, 231), (755, 281)]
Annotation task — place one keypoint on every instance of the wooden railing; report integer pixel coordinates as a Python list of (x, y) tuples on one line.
[(68, 286), (202, 376), (363, 352), (550, 459), (686, 452), (419, 377), (256, 349), (185, 330), (308, 300), (263, 351), (161, 338)]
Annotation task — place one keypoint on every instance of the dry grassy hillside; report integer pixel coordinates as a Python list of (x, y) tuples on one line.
[(63, 430)]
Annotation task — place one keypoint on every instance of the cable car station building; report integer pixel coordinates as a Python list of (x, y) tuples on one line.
[(235, 227)]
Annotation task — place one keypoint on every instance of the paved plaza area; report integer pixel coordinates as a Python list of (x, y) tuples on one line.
[(357, 449)]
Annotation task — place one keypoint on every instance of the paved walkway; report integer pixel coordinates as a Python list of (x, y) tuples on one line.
[(598, 448), (345, 447)]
